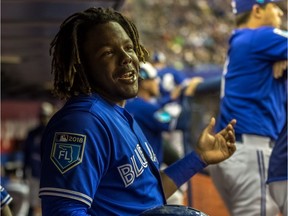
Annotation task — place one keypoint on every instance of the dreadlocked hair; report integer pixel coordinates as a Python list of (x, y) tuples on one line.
[(69, 74)]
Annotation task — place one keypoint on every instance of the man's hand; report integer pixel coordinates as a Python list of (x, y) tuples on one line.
[(188, 89), (214, 148), (279, 68), (192, 85)]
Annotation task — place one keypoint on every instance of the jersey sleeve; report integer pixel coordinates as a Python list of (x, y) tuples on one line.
[(270, 44), (75, 149), (5, 197), (58, 206)]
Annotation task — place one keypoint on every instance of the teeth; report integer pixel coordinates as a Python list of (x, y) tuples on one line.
[(127, 75)]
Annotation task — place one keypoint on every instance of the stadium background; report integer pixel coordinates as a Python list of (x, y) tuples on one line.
[(192, 34)]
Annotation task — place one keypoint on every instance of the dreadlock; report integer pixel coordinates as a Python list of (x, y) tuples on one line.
[(66, 49)]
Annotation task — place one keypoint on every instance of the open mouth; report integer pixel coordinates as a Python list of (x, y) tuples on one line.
[(129, 77)]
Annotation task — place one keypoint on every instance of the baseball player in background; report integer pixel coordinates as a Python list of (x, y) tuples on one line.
[(175, 88), (95, 158), (148, 113), (255, 95)]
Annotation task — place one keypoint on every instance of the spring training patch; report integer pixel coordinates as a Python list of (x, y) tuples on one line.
[(67, 150)]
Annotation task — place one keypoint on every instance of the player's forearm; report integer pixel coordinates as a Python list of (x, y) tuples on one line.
[(6, 211)]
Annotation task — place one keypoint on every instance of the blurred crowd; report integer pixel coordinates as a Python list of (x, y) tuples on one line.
[(191, 33)]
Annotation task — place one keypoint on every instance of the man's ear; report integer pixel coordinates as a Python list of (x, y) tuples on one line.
[(257, 11)]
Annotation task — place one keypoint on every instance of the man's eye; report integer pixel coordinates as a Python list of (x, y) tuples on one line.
[(106, 53), (130, 47)]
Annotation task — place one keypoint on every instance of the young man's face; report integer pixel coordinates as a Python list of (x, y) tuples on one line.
[(111, 62), (272, 16)]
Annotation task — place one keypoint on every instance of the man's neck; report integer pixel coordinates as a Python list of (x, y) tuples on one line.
[(251, 24)]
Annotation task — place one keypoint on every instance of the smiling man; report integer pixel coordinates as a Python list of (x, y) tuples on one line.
[(95, 158)]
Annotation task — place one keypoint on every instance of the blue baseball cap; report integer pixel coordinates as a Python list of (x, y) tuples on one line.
[(241, 6)]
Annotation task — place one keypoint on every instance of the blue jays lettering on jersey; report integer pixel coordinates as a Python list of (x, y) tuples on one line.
[(93, 162), (152, 120), (250, 76)]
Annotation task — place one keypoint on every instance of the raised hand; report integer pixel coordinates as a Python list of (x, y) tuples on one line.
[(214, 148)]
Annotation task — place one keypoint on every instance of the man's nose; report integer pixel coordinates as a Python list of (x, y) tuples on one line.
[(125, 58)]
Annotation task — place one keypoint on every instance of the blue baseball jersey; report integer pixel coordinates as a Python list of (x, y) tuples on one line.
[(97, 161), (5, 197), (249, 91), (169, 79), (153, 120), (278, 161)]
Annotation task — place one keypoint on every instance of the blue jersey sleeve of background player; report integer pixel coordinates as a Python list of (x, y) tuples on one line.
[(169, 79), (267, 43), (149, 115)]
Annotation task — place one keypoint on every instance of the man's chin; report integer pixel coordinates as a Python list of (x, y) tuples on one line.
[(129, 96)]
